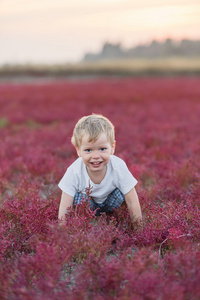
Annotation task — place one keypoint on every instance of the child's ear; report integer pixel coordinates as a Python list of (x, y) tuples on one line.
[(113, 147), (78, 151)]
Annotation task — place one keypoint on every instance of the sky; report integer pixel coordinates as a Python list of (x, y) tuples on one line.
[(63, 31)]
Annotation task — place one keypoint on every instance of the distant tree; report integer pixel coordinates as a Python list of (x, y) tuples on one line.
[(185, 48)]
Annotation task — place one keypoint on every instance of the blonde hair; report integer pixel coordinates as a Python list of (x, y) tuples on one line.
[(93, 125)]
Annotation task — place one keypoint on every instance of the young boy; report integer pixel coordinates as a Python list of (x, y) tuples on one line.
[(108, 176)]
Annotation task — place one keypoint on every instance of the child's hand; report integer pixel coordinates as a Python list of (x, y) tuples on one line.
[(137, 224), (133, 205)]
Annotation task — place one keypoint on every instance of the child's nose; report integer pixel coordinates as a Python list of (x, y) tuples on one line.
[(96, 154)]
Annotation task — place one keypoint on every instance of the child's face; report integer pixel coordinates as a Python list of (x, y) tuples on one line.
[(96, 155)]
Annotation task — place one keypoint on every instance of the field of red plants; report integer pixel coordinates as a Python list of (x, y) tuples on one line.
[(157, 122)]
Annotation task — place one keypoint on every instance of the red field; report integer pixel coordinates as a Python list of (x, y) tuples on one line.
[(157, 124)]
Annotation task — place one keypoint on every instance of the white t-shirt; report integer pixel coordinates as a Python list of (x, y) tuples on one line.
[(76, 179)]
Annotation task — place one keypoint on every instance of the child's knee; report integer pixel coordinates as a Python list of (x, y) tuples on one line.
[(78, 198), (115, 199)]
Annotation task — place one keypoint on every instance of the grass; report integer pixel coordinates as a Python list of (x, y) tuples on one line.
[(157, 132), (125, 67)]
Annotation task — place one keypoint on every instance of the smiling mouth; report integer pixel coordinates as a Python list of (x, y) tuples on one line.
[(96, 163)]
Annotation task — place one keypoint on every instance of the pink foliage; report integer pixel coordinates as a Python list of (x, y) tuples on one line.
[(158, 135)]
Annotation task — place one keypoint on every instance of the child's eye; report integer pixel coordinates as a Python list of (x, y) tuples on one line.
[(87, 150), (103, 149)]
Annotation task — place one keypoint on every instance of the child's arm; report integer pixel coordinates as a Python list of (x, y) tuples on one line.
[(133, 205), (65, 203)]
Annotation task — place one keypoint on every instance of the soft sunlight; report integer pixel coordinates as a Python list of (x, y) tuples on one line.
[(64, 30)]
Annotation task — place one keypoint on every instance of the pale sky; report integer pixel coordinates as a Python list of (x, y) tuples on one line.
[(57, 31)]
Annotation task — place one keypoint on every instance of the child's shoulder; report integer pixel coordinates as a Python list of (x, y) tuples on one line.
[(76, 165), (116, 162)]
